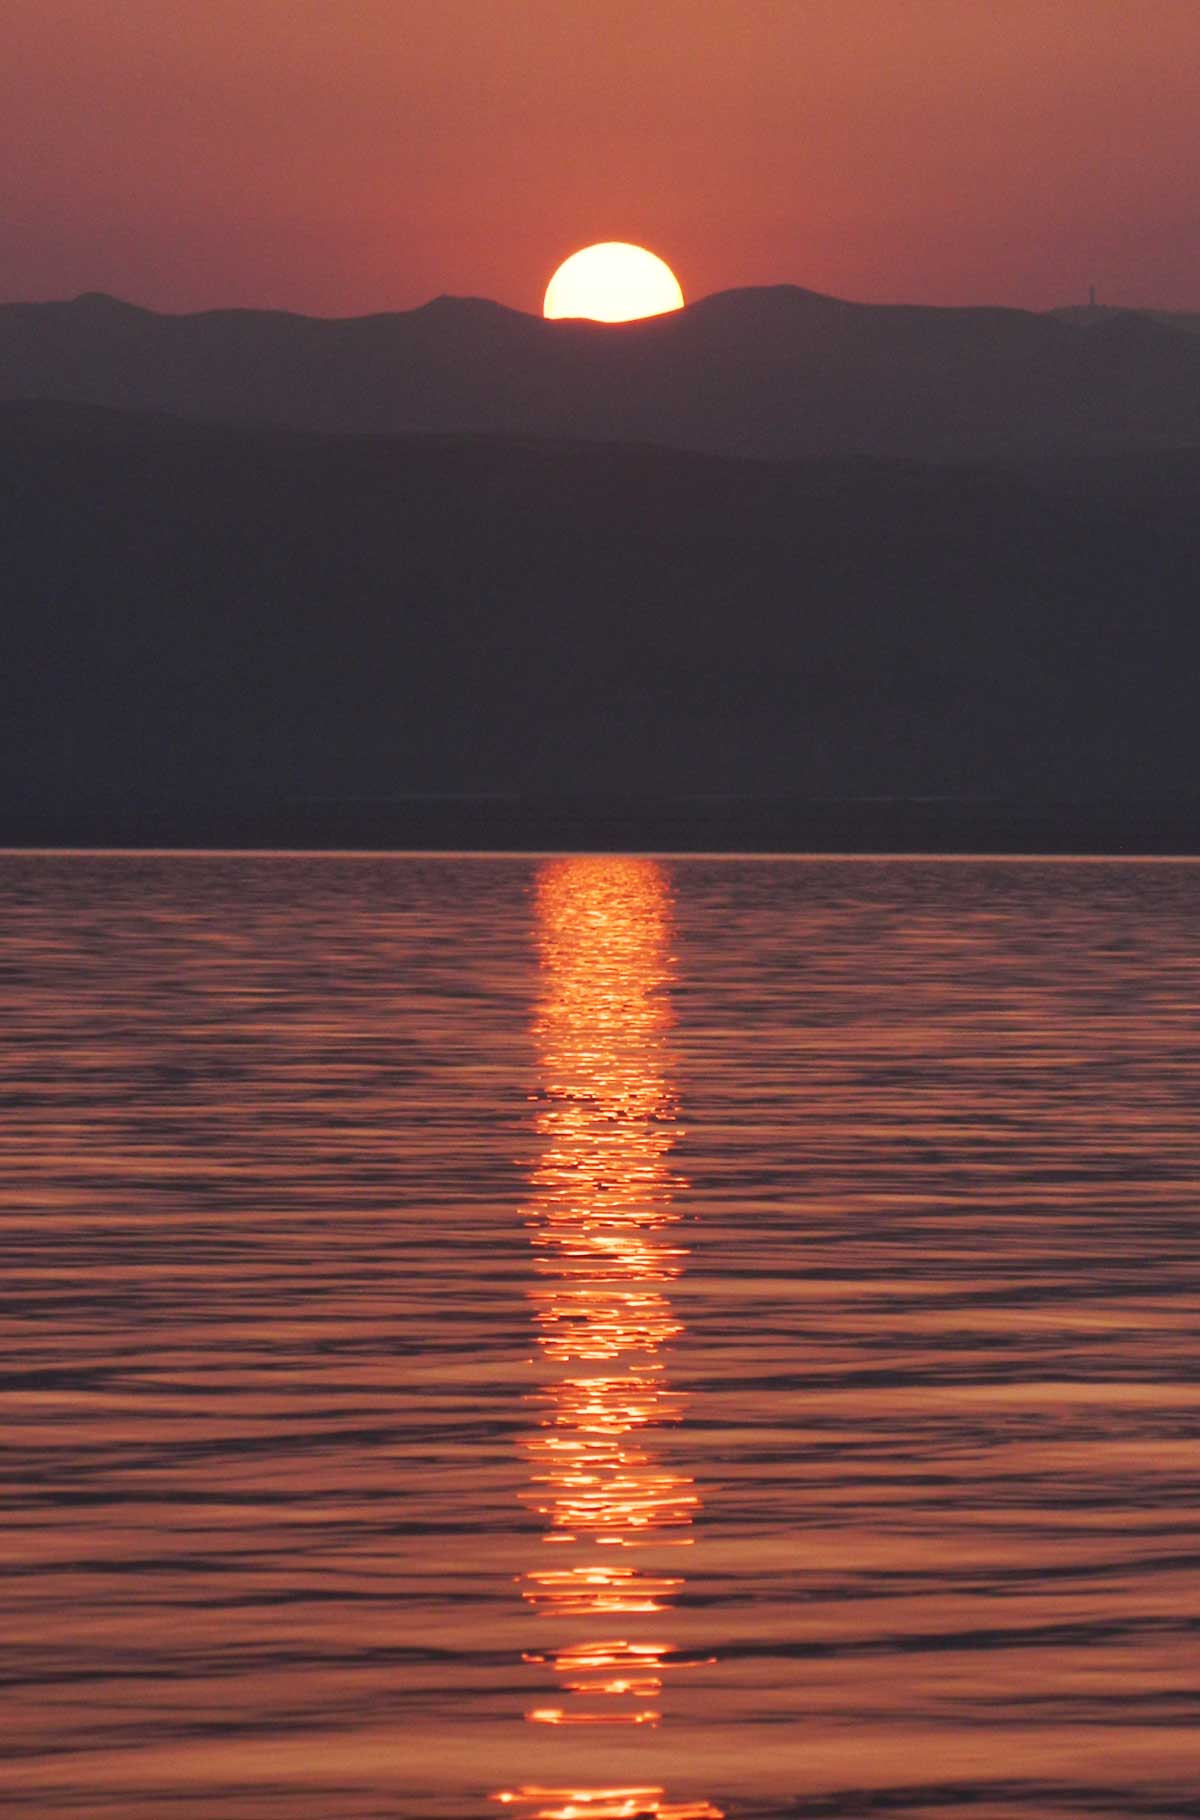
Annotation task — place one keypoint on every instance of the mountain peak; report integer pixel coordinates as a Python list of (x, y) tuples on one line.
[(774, 301), (102, 302), (452, 308)]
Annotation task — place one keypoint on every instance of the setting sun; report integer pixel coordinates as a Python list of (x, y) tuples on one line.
[(613, 282)]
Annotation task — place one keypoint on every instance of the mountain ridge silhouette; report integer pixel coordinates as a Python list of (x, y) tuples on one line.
[(774, 372)]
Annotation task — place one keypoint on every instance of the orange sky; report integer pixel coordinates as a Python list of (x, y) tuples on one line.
[(339, 156)]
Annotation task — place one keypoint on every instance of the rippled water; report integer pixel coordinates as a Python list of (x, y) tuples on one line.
[(594, 1338)]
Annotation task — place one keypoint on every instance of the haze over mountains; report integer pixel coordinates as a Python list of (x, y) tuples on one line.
[(775, 373)]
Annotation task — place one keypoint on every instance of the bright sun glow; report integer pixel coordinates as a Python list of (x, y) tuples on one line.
[(613, 282)]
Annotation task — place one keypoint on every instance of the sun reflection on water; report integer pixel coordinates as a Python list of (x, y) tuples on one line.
[(601, 1219), (607, 1804)]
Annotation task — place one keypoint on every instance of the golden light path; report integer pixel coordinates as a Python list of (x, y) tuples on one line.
[(613, 281), (601, 1219)]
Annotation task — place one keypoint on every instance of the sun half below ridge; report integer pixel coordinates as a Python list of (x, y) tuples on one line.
[(613, 282)]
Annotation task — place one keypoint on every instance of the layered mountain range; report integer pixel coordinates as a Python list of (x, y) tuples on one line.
[(775, 373)]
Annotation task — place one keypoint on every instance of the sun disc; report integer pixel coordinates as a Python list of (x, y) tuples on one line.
[(613, 282)]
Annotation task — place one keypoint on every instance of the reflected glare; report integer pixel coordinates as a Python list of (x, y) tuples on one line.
[(602, 1226), (604, 1804)]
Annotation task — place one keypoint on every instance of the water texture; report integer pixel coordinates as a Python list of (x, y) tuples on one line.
[(599, 1338)]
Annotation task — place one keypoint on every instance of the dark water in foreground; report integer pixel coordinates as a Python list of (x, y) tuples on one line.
[(595, 1338)]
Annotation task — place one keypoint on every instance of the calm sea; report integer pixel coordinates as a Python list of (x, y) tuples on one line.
[(592, 1338)]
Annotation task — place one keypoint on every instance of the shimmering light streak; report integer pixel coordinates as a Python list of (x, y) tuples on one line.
[(601, 1217), (601, 1220), (600, 1588), (604, 1804)]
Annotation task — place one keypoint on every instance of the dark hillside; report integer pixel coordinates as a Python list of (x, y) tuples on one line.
[(231, 618)]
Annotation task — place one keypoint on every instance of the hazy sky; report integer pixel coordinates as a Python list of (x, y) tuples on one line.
[(351, 155)]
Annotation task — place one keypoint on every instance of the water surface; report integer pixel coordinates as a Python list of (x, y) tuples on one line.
[(599, 1337)]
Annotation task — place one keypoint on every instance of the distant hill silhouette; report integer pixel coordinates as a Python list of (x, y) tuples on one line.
[(207, 617), (777, 373), (1091, 315)]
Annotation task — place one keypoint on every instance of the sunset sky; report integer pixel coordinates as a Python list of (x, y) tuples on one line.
[(367, 155)]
